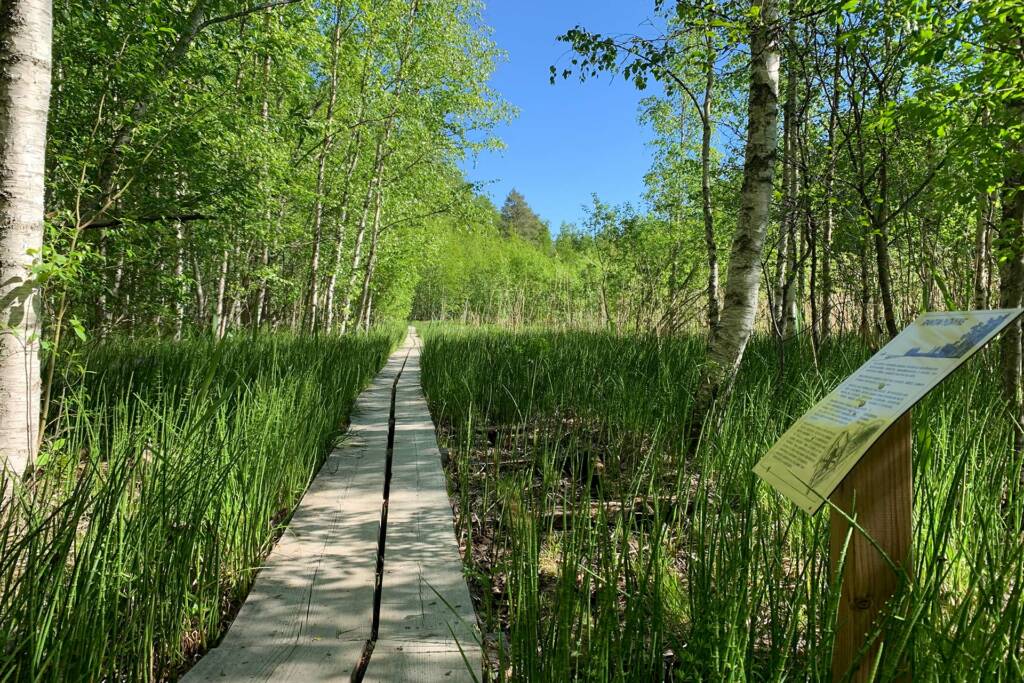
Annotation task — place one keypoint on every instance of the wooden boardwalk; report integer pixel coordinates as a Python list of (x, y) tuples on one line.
[(308, 615)]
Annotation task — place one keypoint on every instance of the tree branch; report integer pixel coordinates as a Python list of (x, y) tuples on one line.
[(243, 13), (180, 218)]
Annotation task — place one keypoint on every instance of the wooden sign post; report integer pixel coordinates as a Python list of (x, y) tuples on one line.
[(854, 448), (878, 494)]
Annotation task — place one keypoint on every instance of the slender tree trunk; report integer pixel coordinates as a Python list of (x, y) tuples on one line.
[(705, 189), (371, 261), (829, 227), (369, 312), (318, 202), (785, 298), (115, 293), (990, 266), (602, 291), (881, 234), (353, 164), (881, 227), (925, 263), (744, 277), (234, 317), (261, 292), (981, 230), (779, 291), (219, 326), (372, 190), (812, 298), (1011, 234), (794, 275), (865, 292), (25, 60), (259, 310), (179, 276), (200, 316), (673, 288), (339, 246), (787, 322), (296, 308), (374, 194)]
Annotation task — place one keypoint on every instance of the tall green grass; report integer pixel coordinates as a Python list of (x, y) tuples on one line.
[(167, 472), (711, 575)]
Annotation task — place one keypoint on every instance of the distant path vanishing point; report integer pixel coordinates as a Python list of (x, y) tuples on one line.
[(308, 616)]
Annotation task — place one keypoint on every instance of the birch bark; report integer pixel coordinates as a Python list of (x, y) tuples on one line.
[(742, 287), (705, 188), (26, 29), (318, 207)]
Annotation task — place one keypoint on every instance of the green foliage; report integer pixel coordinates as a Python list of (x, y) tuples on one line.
[(622, 270), (185, 162)]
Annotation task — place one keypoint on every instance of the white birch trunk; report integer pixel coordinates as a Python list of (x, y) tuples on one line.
[(744, 274), (981, 230), (219, 324), (339, 245), (826, 239), (26, 28), (705, 187), (371, 261), (374, 186), (318, 207), (787, 303), (179, 276)]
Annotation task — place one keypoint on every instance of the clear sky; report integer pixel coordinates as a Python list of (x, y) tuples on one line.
[(571, 139)]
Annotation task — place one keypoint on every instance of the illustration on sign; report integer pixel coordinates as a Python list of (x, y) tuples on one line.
[(818, 451)]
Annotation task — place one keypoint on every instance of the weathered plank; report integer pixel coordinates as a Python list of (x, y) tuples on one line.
[(308, 613), (426, 611)]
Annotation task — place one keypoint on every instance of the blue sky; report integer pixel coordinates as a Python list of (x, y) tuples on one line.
[(571, 139)]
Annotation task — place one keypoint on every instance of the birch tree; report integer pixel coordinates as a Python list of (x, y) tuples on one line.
[(743, 282), (25, 57)]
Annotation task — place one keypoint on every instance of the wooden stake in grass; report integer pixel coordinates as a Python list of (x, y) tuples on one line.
[(877, 494)]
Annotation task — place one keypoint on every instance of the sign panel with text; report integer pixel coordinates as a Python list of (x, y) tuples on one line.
[(817, 452)]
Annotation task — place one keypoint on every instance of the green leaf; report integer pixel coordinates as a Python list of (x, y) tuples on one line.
[(77, 326), (941, 282)]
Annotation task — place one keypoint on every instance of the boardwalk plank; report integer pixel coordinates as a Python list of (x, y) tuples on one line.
[(308, 614), (426, 600)]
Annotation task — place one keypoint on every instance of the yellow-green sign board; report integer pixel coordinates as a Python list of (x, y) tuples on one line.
[(816, 453)]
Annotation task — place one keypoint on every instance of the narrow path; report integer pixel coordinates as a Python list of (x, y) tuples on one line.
[(308, 615)]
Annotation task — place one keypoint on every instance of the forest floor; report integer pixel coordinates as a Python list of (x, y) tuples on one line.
[(496, 452)]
